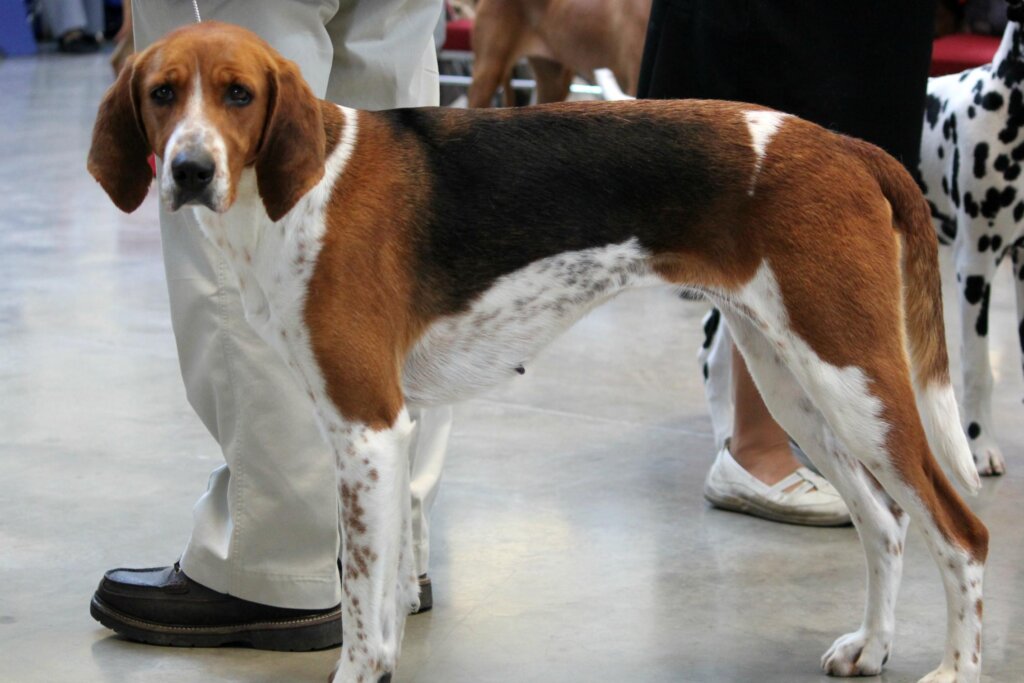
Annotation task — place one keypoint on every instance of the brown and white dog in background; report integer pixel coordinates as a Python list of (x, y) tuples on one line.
[(560, 38), (390, 259)]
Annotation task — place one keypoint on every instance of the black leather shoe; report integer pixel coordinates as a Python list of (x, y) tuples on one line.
[(162, 606)]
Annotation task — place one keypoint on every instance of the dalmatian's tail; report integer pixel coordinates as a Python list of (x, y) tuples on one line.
[(922, 303)]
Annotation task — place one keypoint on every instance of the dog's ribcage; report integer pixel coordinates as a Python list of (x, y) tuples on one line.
[(466, 353)]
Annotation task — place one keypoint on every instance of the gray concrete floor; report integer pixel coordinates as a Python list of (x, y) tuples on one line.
[(571, 541)]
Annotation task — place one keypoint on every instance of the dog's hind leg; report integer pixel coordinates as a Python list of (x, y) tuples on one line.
[(956, 538), (975, 270), (862, 388), (881, 524)]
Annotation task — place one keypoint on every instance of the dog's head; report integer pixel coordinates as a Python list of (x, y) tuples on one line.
[(209, 100)]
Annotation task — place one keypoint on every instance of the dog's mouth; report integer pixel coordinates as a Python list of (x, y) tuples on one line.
[(184, 197)]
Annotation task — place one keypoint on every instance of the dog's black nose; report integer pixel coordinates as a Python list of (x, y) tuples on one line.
[(192, 172)]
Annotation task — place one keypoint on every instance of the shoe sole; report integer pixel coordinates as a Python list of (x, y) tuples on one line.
[(741, 505), (318, 632)]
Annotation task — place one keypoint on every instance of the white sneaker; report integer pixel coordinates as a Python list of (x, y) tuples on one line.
[(812, 501)]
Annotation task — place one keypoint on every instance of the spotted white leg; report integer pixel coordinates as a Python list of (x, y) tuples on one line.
[(378, 582), (1018, 279), (956, 539), (974, 273), (715, 358), (880, 523), (870, 405)]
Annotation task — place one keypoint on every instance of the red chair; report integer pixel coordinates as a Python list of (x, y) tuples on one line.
[(959, 51), (459, 35)]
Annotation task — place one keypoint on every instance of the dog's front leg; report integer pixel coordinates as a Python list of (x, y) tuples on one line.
[(378, 579), (974, 273), (1018, 279)]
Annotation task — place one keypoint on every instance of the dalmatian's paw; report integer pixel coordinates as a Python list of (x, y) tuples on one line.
[(988, 458), (856, 654)]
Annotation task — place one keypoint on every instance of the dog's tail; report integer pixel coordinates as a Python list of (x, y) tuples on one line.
[(922, 304)]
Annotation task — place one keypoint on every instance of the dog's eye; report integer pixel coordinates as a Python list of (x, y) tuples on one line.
[(238, 96), (162, 94)]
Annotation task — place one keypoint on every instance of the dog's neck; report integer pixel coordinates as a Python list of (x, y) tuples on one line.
[(274, 260)]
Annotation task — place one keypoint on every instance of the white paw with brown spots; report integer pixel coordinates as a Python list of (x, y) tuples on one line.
[(856, 654), (943, 675)]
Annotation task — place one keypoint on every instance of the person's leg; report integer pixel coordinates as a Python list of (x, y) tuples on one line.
[(266, 529), (384, 54), (61, 17), (71, 25), (426, 462), (264, 544), (759, 445), (95, 16)]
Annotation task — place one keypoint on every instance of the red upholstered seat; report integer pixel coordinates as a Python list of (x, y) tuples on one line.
[(960, 51), (459, 35)]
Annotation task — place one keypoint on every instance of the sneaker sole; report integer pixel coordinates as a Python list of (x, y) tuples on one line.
[(744, 506), (319, 632)]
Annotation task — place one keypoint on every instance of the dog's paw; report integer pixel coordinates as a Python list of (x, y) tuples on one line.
[(944, 675), (356, 665), (856, 654), (988, 458)]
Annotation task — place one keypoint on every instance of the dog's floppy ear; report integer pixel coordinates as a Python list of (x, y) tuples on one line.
[(118, 158), (290, 160)]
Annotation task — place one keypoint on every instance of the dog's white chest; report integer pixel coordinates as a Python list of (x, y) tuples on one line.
[(464, 354)]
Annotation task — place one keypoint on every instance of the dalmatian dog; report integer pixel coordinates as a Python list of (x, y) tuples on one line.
[(972, 153)]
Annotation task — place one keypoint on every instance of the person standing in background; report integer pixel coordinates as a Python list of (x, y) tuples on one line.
[(75, 24)]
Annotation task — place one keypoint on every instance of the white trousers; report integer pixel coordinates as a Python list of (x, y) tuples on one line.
[(267, 528)]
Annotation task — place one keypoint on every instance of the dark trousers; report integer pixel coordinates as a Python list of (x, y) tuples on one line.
[(857, 67)]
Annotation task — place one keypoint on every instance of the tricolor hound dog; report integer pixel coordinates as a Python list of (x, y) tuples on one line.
[(391, 258), (972, 152)]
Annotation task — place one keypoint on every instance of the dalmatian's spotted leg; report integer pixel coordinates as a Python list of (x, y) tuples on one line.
[(974, 272), (715, 358), (1017, 254), (379, 582)]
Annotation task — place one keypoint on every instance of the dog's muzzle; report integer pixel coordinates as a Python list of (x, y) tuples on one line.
[(192, 171)]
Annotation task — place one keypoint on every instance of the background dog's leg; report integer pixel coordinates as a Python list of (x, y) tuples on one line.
[(715, 358), (379, 583), (553, 79), (497, 32), (881, 524), (974, 272)]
